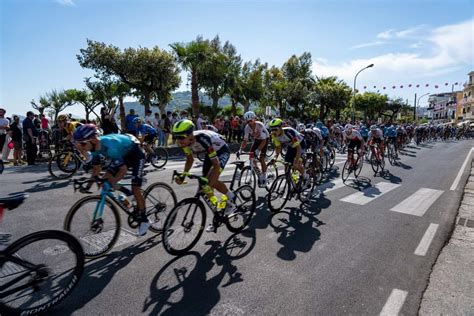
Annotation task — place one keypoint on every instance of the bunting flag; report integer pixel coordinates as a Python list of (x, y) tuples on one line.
[(410, 85)]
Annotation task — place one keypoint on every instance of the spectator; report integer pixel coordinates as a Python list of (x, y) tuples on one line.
[(200, 122), (130, 126), (4, 125), (227, 129), (30, 132), (240, 130), (16, 135), (37, 122), (44, 122), (234, 125), (106, 119), (184, 114), (161, 132), (167, 127), (148, 118)]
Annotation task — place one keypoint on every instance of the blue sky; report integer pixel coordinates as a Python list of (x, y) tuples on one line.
[(410, 42)]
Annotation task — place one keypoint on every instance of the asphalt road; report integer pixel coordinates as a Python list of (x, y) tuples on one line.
[(363, 247)]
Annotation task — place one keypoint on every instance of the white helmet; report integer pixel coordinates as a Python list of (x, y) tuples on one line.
[(300, 127), (249, 116), (348, 128)]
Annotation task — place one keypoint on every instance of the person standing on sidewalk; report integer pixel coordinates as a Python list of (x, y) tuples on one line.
[(130, 126), (16, 135), (30, 133), (4, 126)]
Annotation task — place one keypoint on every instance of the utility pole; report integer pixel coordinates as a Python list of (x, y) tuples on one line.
[(414, 109)]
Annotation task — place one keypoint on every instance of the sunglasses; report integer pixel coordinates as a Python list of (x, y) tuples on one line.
[(83, 143), (181, 136), (274, 129)]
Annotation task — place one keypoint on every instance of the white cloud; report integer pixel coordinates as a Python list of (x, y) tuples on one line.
[(416, 45), (386, 34), (69, 3), (370, 44), (403, 34), (450, 48)]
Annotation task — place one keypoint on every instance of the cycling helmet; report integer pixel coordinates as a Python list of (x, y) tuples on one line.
[(300, 127), (62, 118), (319, 124), (85, 132), (183, 127), (348, 128), (373, 127), (249, 116), (137, 120), (275, 123)]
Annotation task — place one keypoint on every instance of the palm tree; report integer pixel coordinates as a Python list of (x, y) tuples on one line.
[(192, 56)]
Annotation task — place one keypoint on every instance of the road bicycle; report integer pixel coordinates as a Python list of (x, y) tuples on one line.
[(377, 160), (39, 270), (328, 157), (184, 224), (391, 153), (158, 157), (95, 220), (352, 165), (65, 163), (248, 174), (313, 165), (288, 185)]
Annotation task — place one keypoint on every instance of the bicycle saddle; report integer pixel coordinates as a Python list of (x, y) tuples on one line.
[(13, 201)]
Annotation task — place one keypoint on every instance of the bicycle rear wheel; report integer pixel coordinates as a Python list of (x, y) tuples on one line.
[(43, 268), (246, 202), (184, 226), (279, 194), (272, 174), (159, 157), (159, 200), (97, 237)]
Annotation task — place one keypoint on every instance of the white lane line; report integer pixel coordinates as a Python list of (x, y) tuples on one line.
[(370, 193), (331, 186), (394, 303), (418, 203), (458, 177), (425, 242)]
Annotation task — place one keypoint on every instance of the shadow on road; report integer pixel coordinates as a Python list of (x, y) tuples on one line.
[(183, 286)]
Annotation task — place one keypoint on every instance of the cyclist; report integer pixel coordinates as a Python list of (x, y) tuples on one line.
[(218, 153), (124, 151), (287, 135), (261, 136), (67, 127), (324, 132), (354, 141), (376, 136), (391, 135), (312, 137), (146, 134), (364, 132)]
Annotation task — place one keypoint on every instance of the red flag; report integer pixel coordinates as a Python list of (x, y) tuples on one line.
[(427, 85), (417, 85), (393, 87), (401, 86), (436, 86), (409, 86)]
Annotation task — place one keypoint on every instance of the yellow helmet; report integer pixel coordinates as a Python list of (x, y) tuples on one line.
[(62, 118)]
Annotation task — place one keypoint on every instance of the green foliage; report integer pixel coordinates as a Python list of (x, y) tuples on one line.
[(330, 94), (59, 101), (371, 103), (42, 105), (228, 112)]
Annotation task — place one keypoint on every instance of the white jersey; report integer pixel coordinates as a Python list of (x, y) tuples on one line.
[(377, 133), (206, 141), (354, 135), (259, 132)]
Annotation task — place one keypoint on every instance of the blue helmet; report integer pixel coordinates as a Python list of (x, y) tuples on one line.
[(85, 132), (137, 120), (319, 124)]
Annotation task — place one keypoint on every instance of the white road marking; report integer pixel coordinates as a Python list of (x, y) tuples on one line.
[(370, 193), (394, 303), (418, 203), (458, 177), (425, 242)]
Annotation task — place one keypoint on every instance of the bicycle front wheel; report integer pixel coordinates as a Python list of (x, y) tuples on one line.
[(279, 194), (63, 165), (184, 226), (159, 200), (346, 171), (247, 177), (374, 163), (272, 174), (245, 202), (97, 236), (360, 164), (38, 271), (159, 157)]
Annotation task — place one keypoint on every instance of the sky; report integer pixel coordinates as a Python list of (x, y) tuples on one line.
[(410, 42)]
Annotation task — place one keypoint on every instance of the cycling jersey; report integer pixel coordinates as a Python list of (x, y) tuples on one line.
[(324, 131), (336, 130), (377, 133), (259, 132), (206, 141), (70, 127), (146, 129), (313, 134), (289, 136), (364, 131), (391, 132), (354, 135)]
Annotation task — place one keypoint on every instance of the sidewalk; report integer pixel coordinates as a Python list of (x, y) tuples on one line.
[(450, 289)]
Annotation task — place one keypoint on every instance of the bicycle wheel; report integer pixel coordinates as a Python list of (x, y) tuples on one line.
[(246, 202), (272, 174), (63, 165), (184, 226), (306, 192), (159, 200), (331, 158), (374, 163), (270, 150), (346, 171), (42, 269), (279, 194), (99, 236), (201, 156), (247, 177), (160, 157), (324, 162)]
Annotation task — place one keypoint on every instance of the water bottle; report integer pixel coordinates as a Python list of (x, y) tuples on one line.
[(214, 200), (124, 200), (294, 176), (222, 203)]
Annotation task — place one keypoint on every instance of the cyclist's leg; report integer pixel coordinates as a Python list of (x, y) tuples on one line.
[(223, 155)]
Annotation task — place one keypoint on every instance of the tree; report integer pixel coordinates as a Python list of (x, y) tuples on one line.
[(151, 73), (393, 107), (274, 84), (59, 101), (86, 98), (371, 103), (251, 83), (192, 56), (330, 94), (42, 105)]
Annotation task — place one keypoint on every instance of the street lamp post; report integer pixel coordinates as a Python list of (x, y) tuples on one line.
[(418, 104), (353, 100)]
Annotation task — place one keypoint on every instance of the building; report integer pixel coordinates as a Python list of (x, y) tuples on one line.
[(467, 101), (442, 107)]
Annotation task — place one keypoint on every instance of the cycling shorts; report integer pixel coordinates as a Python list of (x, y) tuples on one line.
[(134, 160), (257, 143), (291, 152), (223, 154), (354, 144)]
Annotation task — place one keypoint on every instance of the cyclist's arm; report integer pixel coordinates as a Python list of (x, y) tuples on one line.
[(189, 159), (298, 153), (277, 144)]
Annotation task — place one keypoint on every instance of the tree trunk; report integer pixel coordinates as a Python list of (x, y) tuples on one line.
[(87, 113), (338, 114), (194, 93), (233, 109), (281, 107), (321, 112), (122, 113), (146, 101), (246, 105)]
